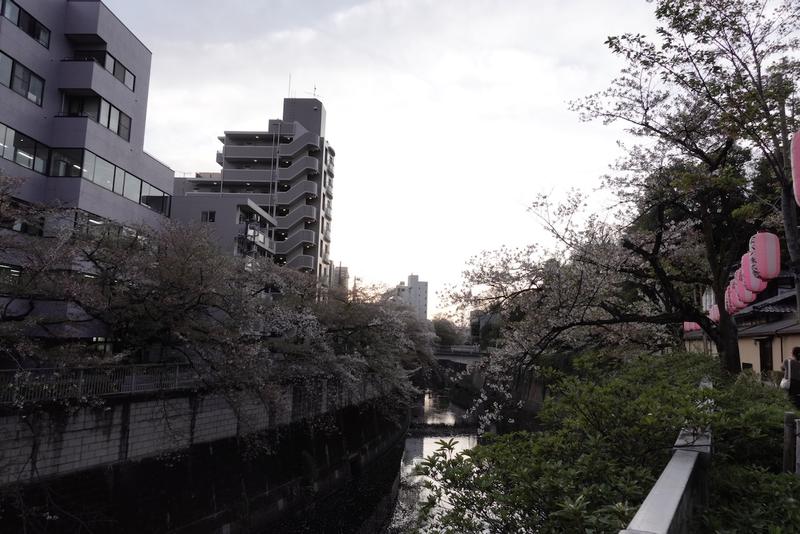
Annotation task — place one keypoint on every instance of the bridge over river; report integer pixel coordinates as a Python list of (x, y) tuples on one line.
[(462, 354)]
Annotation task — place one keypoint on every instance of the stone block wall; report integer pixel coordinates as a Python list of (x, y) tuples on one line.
[(59, 441)]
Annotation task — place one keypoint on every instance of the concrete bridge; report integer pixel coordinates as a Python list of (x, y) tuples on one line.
[(462, 354)]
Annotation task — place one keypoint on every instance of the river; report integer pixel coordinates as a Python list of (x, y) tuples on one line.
[(438, 419)]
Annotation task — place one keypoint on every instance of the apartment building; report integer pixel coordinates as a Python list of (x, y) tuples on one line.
[(414, 294), (240, 226), (287, 172), (73, 107)]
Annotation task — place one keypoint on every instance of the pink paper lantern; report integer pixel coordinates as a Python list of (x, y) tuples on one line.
[(750, 280), (729, 307), (796, 165), (765, 255), (744, 294), (735, 300), (690, 327), (713, 313)]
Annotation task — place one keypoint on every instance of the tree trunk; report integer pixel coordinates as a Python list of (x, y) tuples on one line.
[(789, 210), (727, 336)]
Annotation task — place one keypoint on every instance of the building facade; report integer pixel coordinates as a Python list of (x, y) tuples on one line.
[(415, 295), (73, 109), (241, 227), (287, 171)]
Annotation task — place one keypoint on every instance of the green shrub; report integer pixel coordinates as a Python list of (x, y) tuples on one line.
[(608, 433)]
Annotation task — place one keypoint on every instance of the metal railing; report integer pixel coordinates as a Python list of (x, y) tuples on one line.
[(38, 385)]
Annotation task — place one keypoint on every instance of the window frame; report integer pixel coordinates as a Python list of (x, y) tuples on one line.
[(30, 25)]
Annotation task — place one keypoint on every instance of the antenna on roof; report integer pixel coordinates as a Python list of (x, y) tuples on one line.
[(314, 93), (289, 92)]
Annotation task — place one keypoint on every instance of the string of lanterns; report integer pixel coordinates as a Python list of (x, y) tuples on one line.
[(759, 265)]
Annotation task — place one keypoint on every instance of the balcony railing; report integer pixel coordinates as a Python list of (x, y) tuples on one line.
[(40, 385)]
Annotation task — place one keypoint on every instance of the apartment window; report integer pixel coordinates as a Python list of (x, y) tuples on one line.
[(99, 110), (154, 198), (116, 69), (208, 216), (103, 173), (21, 79), (6, 66), (133, 187), (66, 162), (23, 150), (119, 181), (26, 22)]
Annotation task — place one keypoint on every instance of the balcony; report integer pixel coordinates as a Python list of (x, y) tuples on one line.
[(302, 261), (247, 152), (86, 76), (304, 165), (303, 142), (248, 175), (303, 237), (305, 188), (296, 216)]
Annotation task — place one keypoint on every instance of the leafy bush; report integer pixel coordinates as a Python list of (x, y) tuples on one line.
[(608, 433)]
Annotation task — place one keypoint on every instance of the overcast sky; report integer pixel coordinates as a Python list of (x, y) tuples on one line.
[(447, 116)]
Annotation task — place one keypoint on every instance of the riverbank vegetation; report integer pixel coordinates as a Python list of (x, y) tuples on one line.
[(607, 434), (79, 291)]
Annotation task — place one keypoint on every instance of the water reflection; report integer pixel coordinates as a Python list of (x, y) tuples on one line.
[(437, 410)]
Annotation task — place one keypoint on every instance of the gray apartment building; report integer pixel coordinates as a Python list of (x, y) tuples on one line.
[(287, 172), (414, 295), (73, 105)]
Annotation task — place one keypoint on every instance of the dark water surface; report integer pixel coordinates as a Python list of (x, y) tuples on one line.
[(438, 412)]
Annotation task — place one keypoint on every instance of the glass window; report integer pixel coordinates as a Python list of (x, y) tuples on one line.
[(133, 186), (110, 63), (2, 139), (8, 144), (66, 162), (11, 11), (154, 198), (88, 165), (25, 148), (119, 181), (124, 126), (130, 80), (104, 173), (35, 89), (119, 72), (5, 70), (41, 159), (113, 120), (42, 35), (20, 79), (91, 107), (104, 109)]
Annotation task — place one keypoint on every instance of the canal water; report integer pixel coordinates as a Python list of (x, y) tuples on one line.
[(437, 419)]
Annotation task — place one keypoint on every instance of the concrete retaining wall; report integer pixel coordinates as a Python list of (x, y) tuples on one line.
[(39, 445)]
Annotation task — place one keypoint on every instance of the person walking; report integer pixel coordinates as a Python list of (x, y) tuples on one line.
[(791, 372)]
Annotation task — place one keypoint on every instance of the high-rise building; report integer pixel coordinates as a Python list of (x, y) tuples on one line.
[(287, 171), (340, 278), (72, 112), (415, 295)]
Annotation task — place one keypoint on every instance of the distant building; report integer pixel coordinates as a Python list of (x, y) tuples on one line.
[(415, 295), (287, 172), (340, 278)]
